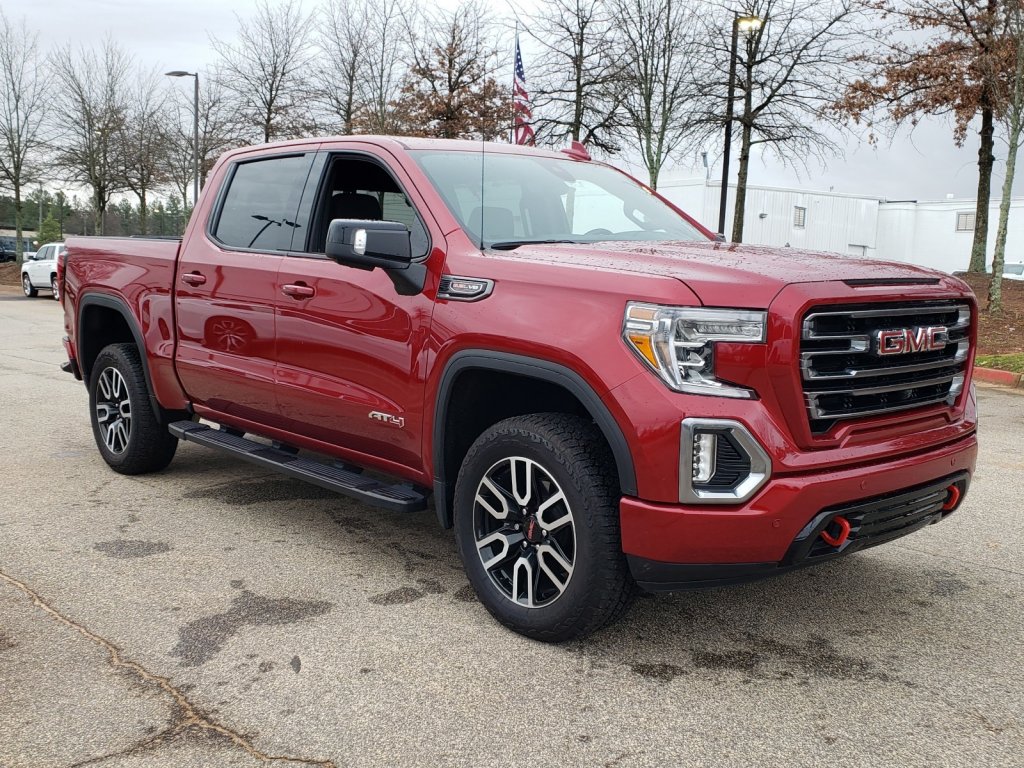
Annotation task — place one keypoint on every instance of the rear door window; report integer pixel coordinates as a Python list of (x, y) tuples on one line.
[(259, 209)]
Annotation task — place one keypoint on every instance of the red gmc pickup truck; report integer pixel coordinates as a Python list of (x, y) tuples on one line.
[(587, 386)]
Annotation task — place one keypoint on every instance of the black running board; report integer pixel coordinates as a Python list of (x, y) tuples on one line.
[(396, 498)]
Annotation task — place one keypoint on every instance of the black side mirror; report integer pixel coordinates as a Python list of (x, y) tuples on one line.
[(367, 244)]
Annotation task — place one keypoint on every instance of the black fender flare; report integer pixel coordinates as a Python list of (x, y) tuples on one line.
[(120, 306), (528, 367)]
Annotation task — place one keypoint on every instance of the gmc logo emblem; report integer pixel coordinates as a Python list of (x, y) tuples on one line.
[(907, 340)]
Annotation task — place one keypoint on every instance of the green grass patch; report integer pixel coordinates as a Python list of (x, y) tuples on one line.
[(1013, 363)]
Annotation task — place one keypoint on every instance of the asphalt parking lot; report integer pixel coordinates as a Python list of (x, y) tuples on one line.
[(218, 615)]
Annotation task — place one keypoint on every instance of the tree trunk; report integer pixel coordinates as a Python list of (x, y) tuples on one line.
[(653, 167), (142, 212), (97, 224), (741, 186), (986, 158), (19, 246), (995, 291)]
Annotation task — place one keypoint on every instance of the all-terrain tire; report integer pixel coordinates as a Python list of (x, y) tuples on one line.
[(128, 434), (573, 458)]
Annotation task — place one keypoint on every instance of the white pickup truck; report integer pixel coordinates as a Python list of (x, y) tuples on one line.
[(40, 271)]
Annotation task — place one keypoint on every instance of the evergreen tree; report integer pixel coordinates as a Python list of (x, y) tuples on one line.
[(50, 231)]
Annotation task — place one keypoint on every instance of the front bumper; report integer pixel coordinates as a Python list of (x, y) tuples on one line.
[(674, 546)]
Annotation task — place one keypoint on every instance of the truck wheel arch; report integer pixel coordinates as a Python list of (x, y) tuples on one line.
[(87, 352), (522, 367)]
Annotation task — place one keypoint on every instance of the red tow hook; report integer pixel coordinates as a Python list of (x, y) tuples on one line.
[(954, 498), (841, 537)]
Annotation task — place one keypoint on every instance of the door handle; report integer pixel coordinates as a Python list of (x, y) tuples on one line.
[(193, 278), (298, 290)]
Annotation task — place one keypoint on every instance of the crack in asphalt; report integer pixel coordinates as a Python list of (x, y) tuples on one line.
[(189, 716), (137, 748), (966, 561)]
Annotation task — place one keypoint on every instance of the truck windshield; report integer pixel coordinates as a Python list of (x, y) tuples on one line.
[(503, 201)]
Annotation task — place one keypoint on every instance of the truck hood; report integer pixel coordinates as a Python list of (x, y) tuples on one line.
[(726, 274)]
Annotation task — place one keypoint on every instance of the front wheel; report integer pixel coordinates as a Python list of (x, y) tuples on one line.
[(127, 431), (26, 286), (537, 525), (54, 288)]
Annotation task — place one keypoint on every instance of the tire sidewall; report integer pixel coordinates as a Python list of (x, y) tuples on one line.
[(113, 357), (578, 595)]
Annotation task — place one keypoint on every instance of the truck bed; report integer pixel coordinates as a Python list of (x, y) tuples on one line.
[(122, 264), (136, 275)]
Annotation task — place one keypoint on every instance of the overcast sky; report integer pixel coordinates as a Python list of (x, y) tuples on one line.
[(174, 34)]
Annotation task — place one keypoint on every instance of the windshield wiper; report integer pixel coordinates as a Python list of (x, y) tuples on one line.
[(508, 245)]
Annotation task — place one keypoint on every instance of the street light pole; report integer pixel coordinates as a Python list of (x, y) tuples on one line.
[(727, 141), (195, 130), (750, 23)]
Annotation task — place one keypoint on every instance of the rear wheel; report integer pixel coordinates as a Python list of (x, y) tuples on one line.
[(26, 286), (53, 287), (536, 520), (128, 434)]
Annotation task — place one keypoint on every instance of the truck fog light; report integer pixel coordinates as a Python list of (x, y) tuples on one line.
[(705, 446), (720, 462)]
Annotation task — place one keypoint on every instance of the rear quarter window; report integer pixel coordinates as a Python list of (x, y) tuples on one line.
[(260, 206)]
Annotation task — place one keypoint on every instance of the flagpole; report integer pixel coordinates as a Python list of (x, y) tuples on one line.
[(512, 101)]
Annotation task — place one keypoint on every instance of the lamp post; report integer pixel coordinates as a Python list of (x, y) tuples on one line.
[(749, 23), (195, 130)]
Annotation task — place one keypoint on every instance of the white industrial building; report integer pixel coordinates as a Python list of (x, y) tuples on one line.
[(932, 233)]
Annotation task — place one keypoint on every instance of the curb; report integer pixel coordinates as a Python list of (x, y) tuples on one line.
[(995, 376)]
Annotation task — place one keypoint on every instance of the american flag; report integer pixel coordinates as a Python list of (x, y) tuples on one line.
[(522, 131)]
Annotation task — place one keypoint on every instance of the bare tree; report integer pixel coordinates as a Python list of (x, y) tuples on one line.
[(265, 68), (657, 53), (143, 142), (339, 79), (219, 130), (450, 91), (574, 81), (94, 104), (23, 101), (1013, 98), (387, 56), (788, 74), (939, 57)]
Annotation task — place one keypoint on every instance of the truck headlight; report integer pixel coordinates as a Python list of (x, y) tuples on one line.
[(678, 343)]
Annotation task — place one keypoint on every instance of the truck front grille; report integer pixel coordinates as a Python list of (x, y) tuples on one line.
[(874, 359)]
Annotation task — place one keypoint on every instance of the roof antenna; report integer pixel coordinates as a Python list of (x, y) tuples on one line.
[(483, 206)]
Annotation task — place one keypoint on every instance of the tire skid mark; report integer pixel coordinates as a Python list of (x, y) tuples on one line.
[(189, 716)]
